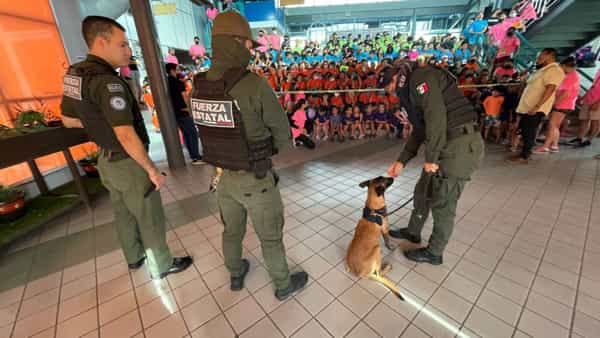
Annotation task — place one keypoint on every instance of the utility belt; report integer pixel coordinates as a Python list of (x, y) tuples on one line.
[(465, 129), (114, 156)]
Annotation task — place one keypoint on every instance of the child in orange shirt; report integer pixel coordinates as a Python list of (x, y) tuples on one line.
[(351, 99), (316, 83), (337, 100), (331, 83), (492, 105), (149, 101)]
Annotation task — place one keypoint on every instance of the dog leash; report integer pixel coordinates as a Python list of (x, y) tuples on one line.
[(400, 207), (428, 192)]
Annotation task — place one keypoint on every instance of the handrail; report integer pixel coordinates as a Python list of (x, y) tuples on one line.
[(585, 75)]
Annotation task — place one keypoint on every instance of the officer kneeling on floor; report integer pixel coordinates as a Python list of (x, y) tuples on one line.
[(97, 99), (444, 121), (242, 125)]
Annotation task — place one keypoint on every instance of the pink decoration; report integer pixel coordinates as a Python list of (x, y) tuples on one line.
[(212, 13)]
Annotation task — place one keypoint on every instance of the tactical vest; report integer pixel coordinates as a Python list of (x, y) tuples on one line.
[(221, 127), (96, 125), (458, 109)]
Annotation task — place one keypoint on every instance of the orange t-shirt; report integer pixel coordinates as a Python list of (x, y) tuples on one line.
[(273, 82), (315, 101), (492, 105), (363, 98), (374, 98), (315, 84), (392, 100), (301, 85), (372, 82), (472, 66), (330, 85), (337, 101), (286, 86), (351, 100), (149, 100)]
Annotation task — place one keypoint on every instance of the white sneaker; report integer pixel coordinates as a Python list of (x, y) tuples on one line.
[(198, 162), (325, 138)]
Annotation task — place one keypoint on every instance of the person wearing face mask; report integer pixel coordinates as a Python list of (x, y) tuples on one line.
[(537, 100), (263, 41), (445, 122), (243, 125), (196, 49), (509, 46)]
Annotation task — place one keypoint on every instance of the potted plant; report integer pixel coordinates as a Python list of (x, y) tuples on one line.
[(12, 204), (30, 119), (89, 163)]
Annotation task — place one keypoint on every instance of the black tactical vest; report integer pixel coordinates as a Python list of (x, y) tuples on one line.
[(221, 127), (96, 125), (458, 109)]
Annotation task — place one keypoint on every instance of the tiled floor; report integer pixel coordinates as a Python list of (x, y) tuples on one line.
[(522, 262)]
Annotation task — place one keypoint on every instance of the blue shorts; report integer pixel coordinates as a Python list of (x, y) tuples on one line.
[(491, 121)]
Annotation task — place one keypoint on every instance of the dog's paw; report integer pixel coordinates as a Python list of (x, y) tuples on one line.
[(390, 246)]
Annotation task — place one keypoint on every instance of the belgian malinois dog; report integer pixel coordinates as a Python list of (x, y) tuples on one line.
[(364, 254)]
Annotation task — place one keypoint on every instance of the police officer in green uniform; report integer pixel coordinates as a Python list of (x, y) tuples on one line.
[(444, 121), (242, 125), (98, 100)]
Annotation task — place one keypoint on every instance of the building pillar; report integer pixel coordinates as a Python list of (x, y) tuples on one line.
[(148, 39)]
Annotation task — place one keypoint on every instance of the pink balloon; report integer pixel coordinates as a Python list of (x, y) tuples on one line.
[(212, 13)]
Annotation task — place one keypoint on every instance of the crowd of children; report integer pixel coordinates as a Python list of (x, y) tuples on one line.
[(330, 92)]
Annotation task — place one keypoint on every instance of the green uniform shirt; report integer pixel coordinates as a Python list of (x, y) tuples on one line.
[(109, 92), (426, 97)]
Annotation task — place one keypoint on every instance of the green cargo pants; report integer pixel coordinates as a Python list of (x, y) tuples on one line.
[(240, 193), (140, 222), (440, 193)]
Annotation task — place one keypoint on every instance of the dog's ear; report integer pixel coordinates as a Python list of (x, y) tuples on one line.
[(364, 184)]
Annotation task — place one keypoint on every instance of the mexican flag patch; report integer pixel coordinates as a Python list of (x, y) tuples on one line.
[(422, 88)]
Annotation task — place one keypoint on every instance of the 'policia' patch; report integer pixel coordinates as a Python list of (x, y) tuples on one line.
[(115, 88), (216, 114), (422, 88), (72, 87)]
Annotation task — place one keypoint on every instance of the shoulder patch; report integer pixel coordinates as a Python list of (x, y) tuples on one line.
[(422, 88), (72, 86), (115, 88), (117, 103)]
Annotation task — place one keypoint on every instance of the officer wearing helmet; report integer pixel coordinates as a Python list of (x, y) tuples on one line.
[(444, 121), (241, 126)]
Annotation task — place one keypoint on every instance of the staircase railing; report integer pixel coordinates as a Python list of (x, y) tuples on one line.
[(526, 54)]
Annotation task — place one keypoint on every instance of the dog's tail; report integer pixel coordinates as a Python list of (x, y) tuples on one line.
[(387, 283)]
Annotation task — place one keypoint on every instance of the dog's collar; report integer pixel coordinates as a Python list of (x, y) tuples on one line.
[(375, 216)]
